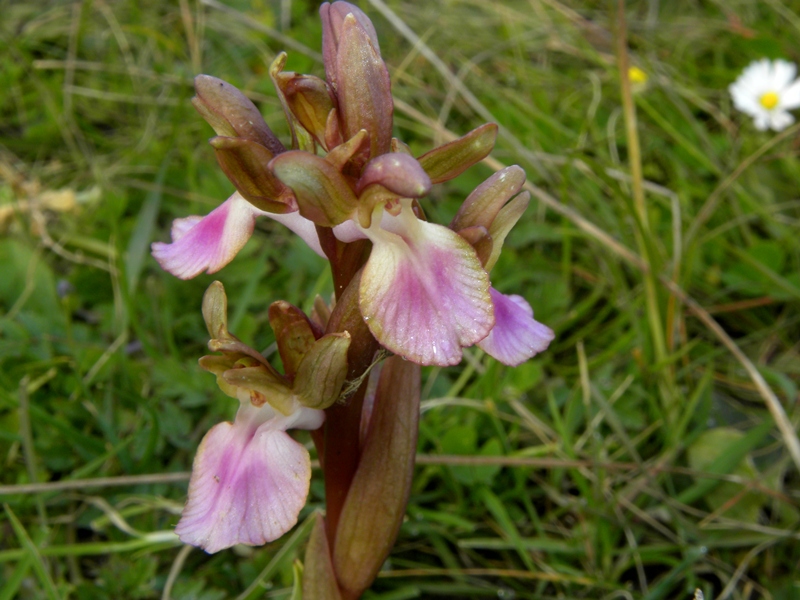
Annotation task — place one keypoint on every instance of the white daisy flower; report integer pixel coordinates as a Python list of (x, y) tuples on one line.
[(766, 90)]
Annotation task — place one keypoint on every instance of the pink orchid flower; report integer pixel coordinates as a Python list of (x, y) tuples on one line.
[(250, 479)]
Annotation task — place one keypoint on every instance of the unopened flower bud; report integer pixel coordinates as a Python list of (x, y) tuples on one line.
[(231, 113), (333, 16), (309, 99), (357, 74)]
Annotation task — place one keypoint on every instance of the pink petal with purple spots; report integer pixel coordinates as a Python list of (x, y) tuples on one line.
[(424, 294), (516, 336)]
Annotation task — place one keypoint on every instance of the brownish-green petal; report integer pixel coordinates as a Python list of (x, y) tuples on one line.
[(245, 163), (354, 147), (323, 371), (293, 334), (452, 159), (322, 192), (486, 200)]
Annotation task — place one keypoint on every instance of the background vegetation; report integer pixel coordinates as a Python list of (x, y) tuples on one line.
[(644, 455)]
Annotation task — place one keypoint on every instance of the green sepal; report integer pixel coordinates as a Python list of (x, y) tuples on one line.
[(294, 334), (319, 580), (323, 193), (323, 371), (237, 348), (452, 159), (309, 100), (301, 139), (502, 224), (213, 363), (484, 203), (480, 239), (245, 163), (333, 130), (215, 312), (218, 365), (264, 386)]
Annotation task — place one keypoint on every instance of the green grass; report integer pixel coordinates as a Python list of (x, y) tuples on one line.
[(639, 457)]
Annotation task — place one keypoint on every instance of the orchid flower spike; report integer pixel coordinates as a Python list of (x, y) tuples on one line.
[(424, 291)]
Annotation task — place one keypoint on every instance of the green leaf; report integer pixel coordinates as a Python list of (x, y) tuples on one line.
[(462, 441), (142, 234), (32, 552), (376, 502), (725, 463), (506, 523), (709, 447), (319, 579)]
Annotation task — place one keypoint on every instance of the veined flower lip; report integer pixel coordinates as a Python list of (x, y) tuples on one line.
[(423, 293), (249, 479)]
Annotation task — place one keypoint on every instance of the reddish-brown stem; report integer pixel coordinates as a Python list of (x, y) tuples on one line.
[(342, 453), (339, 448)]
